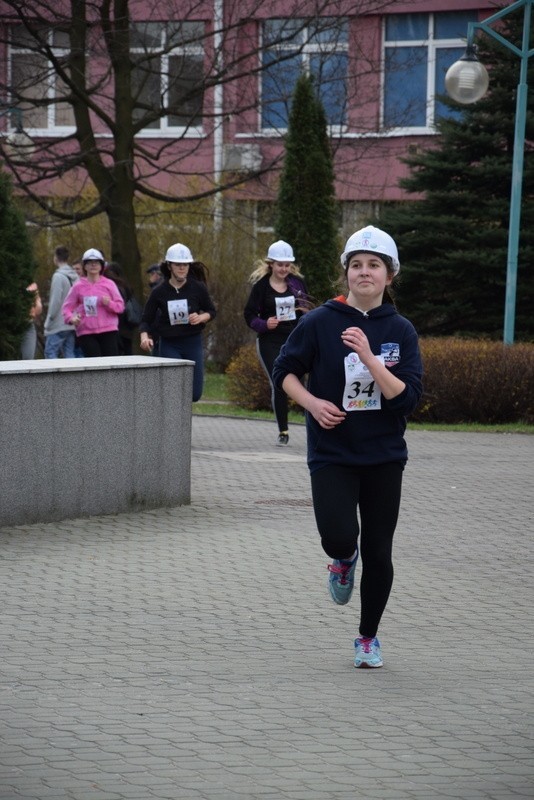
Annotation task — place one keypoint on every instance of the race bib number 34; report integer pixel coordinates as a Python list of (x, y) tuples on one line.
[(361, 392)]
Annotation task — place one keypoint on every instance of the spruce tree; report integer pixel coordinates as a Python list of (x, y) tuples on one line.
[(306, 210), (453, 243), (16, 273)]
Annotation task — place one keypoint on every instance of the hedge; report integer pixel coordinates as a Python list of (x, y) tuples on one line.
[(465, 380)]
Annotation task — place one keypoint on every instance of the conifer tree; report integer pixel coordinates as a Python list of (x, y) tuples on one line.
[(453, 243), (16, 273), (306, 209)]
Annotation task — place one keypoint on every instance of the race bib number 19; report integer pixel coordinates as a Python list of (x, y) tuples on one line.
[(361, 392), (178, 312)]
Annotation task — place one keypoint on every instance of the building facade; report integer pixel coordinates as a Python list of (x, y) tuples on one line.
[(197, 94)]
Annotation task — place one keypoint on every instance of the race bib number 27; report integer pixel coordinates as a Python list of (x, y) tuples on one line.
[(285, 308), (361, 392)]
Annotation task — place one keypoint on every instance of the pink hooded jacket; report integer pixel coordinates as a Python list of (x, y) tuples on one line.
[(85, 298)]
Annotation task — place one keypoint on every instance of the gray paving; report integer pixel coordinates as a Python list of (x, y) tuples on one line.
[(192, 653)]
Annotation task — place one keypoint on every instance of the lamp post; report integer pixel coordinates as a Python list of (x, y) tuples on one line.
[(466, 82)]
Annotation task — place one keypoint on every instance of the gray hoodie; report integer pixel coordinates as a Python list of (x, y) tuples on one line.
[(62, 280)]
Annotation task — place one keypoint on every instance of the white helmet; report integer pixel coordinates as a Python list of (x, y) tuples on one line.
[(280, 251), (371, 240), (93, 255), (179, 254)]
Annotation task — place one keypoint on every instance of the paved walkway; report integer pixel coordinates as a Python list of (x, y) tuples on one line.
[(193, 653)]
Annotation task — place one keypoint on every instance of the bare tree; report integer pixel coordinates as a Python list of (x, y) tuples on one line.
[(132, 96)]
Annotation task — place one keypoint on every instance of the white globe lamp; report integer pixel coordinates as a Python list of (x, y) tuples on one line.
[(467, 80)]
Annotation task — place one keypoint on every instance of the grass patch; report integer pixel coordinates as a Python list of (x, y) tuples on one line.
[(214, 387), (207, 409), (473, 427), (215, 403)]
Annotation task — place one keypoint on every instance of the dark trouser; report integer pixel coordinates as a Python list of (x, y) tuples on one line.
[(190, 349), (95, 345), (268, 348), (125, 345), (338, 492)]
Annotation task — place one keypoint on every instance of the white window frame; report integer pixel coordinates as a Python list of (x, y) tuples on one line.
[(432, 45), (166, 130), (306, 51), (51, 128)]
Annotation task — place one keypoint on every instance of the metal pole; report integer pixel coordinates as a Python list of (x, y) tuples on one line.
[(518, 151), (517, 187)]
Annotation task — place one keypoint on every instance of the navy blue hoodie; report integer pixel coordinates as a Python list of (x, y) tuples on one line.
[(315, 348)]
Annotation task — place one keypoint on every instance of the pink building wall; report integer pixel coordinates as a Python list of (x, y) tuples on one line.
[(367, 164)]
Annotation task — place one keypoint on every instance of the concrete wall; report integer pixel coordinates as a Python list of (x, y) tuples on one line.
[(87, 436)]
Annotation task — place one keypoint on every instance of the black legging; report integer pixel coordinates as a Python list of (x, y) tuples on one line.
[(95, 345), (268, 348), (338, 492)]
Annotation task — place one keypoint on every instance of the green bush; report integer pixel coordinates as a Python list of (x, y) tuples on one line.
[(467, 380), (248, 386), (17, 268)]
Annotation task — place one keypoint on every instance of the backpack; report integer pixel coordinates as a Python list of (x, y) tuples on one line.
[(133, 311)]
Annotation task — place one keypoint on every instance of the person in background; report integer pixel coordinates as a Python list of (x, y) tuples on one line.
[(93, 306), (154, 279), (178, 310), (29, 340), (277, 300), (78, 269), (154, 276), (365, 372), (59, 337), (77, 266), (114, 272)]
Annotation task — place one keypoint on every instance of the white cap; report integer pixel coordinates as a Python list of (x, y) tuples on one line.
[(179, 254), (371, 240), (280, 251), (93, 255)]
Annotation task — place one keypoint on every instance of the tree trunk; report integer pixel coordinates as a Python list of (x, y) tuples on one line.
[(123, 232)]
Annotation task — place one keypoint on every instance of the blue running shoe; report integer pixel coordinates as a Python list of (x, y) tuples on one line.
[(341, 580), (368, 655)]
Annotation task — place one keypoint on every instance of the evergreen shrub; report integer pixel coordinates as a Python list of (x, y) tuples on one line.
[(470, 380), (306, 203), (17, 268)]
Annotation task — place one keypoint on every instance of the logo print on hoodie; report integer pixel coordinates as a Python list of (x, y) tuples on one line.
[(391, 353)]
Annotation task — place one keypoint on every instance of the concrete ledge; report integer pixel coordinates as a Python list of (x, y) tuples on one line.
[(90, 436)]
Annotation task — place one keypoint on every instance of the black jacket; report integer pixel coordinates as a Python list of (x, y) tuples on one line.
[(156, 319)]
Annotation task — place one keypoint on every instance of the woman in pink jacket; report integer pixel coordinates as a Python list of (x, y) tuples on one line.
[(93, 306)]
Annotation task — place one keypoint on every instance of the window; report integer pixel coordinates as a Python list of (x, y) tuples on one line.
[(293, 46), (168, 74), (34, 83), (418, 50)]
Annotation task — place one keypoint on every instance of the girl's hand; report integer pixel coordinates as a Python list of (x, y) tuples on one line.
[(146, 343), (75, 319), (197, 319), (272, 323), (356, 339), (105, 299), (326, 413)]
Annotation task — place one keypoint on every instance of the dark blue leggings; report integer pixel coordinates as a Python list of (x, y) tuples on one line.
[(339, 493), (190, 348)]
